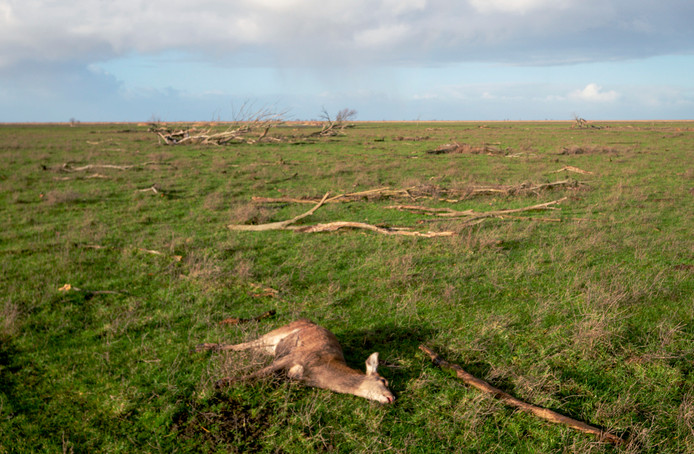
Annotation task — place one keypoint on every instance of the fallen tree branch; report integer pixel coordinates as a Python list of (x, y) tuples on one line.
[(331, 226), (542, 413), (470, 216), (281, 225), (334, 226), (384, 192), (251, 126), (573, 169), (429, 192)]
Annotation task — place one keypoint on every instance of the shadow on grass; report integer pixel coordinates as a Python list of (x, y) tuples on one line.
[(224, 421), (386, 339)]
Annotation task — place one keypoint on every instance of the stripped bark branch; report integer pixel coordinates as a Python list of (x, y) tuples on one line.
[(470, 216), (334, 226), (540, 412), (280, 225)]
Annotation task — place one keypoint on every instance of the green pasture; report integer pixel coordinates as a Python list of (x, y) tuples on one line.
[(116, 260)]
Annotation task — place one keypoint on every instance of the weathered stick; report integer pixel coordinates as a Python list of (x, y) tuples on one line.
[(542, 413)]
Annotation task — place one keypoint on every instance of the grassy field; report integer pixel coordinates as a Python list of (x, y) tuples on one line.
[(587, 309)]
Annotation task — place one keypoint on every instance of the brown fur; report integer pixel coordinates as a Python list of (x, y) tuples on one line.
[(313, 355)]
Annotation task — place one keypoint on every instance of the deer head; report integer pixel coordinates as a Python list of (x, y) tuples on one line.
[(374, 387)]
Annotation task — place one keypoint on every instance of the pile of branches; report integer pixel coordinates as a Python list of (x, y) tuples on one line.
[(252, 128), (582, 123), (335, 126)]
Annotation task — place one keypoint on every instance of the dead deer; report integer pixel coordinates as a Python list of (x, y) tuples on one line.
[(313, 355)]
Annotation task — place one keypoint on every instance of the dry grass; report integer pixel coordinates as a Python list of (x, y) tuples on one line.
[(9, 319), (56, 197), (250, 213)]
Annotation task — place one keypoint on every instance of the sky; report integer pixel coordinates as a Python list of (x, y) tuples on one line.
[(203, 60)]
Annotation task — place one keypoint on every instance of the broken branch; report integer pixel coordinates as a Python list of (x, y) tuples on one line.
[(333, 226), (470, 216), (540, 412), (281, 225)]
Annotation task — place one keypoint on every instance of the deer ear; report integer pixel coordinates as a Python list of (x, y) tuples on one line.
[(372, 364)]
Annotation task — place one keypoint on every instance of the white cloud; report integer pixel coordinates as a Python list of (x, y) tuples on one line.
[(404, 6), (5, 13), (324, 32), (383, 35), (514, 6), (594, 93)]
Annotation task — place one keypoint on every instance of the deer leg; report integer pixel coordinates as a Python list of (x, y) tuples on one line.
[(254, 345)]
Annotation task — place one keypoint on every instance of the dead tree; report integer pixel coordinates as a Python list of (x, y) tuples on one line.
[(249, 126), (335, 126)]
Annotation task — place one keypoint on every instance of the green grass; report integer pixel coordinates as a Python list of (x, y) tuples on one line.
[(592, 317)]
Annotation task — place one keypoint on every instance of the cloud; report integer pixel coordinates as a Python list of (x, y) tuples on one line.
[(333, 33), (513, 6), (594, 93), (383, 35)]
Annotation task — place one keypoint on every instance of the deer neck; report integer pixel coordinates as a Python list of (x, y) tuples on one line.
[(336, 376)]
